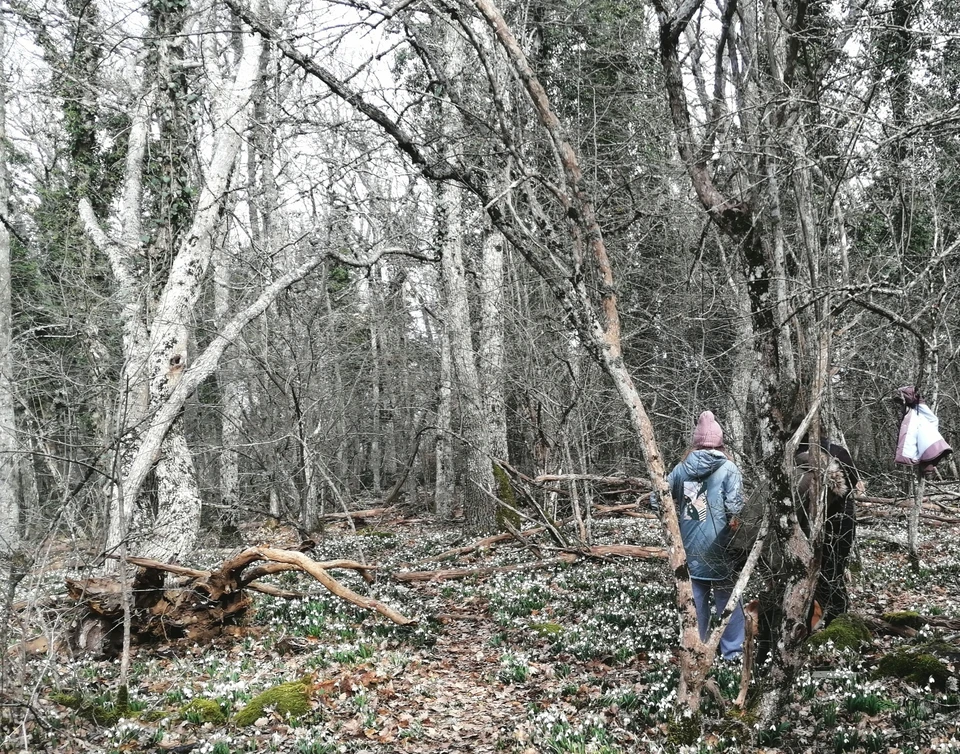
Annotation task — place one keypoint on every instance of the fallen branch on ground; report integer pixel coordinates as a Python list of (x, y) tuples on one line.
[(930, 517), (568, 556), (485, 543), (465, 573), (359, 515), (930, 502), (630, 483)]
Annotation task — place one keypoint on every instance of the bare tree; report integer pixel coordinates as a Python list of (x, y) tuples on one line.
[(770, 190), (9, 505)]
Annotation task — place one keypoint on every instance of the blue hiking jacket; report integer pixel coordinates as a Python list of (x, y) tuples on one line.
[(707, 489)]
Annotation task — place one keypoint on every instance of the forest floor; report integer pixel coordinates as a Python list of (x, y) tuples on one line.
[(569, 658)]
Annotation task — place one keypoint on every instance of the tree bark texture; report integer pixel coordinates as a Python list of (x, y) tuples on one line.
[(155, 345), (478, 509), (9, 461)]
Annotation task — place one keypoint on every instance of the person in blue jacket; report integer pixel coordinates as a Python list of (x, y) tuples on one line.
[(707, 488)]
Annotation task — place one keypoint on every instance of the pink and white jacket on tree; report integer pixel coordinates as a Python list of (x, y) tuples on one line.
[(920, 442)]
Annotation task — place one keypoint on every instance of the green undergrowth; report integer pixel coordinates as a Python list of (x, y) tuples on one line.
[(590, 611), (586, 651)]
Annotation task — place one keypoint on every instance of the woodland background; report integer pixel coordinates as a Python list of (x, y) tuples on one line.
[(354, 255)]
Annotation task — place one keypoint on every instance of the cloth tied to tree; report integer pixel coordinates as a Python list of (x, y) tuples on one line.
[(920, 442)]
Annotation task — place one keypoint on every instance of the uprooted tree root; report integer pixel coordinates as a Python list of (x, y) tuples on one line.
[(202, 604)]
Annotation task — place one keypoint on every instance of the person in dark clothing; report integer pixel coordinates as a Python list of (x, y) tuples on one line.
[(842, 481)]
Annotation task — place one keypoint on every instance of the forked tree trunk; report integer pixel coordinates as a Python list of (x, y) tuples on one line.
[(156, 357)]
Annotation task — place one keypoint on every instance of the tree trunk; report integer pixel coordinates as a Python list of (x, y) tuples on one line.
[(336, 394), (156, 356), (375, 455), (10, 571), (491, 351), (9, 461), (443, 445), (232, 397), (479, 509)]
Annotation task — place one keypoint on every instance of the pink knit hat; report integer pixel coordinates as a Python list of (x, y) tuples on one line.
[(707, 433)]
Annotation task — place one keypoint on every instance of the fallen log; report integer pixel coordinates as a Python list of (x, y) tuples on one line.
[(569, 556), (201, 604), (627, 509), (631, 483), (359, 515), (626, 551), (485, 543), (610, 510), (464, 573), (910, 628), (934, 520), (880, 626), (930, 502)]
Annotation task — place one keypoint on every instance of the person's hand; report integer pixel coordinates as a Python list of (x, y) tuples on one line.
[(734, 524)]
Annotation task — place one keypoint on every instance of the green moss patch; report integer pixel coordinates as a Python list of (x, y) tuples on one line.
[(289, 699), (905, 618), (201, 711), (846, 631), (506, 495), (94, 709), (917, 667)]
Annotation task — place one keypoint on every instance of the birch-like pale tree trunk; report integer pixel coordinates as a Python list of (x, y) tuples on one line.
[(155, 342), (10, 572), (479, 508), (375, 458), (491, 347), (233, 399), (743, 368), (9, 505), (443, 445), (258, 160)]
